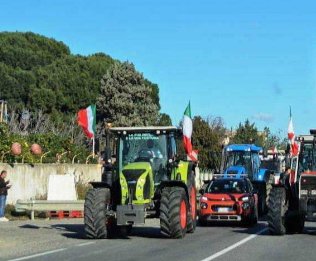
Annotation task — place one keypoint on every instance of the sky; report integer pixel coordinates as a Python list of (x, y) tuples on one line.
[(236, 59)]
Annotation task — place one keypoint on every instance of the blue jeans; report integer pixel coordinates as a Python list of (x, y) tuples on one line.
[(3, 199)]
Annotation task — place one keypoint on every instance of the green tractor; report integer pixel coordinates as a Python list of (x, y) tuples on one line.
[(146, 180)]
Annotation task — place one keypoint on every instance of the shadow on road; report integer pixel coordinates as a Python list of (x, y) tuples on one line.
[(146, 232), (71, 230), (76, 231)]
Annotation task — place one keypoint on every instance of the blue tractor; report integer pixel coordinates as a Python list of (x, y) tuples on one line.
[(241, 159)]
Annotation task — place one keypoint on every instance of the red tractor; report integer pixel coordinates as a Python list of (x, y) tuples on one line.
[(293, 198)]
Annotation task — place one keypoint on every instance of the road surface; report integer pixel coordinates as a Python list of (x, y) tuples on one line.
[(64, 240)]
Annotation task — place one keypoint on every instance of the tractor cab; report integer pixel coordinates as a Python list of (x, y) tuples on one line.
[(142, 157), (304, 175), (241, 159)]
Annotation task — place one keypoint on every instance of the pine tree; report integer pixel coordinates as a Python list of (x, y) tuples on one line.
[(125, 99)]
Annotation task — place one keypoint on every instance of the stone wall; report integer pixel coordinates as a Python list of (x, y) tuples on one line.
[(31, 181)]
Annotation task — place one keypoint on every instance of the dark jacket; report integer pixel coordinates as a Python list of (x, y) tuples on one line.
[(3, 187)]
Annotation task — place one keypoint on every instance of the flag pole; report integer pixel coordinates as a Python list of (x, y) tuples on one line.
[(93, 146)]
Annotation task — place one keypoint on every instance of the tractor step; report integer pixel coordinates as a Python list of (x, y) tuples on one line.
[(65, 214)]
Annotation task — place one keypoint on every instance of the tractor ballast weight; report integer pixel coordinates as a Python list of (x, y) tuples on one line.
[(244, 159), (293, 198), (146, 179)]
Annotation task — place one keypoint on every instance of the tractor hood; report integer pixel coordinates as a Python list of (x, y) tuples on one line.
[(236, 170), (136, 180)]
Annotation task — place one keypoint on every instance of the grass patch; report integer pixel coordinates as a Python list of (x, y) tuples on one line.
[(82, 189)]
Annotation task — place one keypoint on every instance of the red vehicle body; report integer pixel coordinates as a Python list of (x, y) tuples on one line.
[(229, 199)]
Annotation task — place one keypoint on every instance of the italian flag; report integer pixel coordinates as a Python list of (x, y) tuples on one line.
[(291, 136), (187, 134), (87, 120)]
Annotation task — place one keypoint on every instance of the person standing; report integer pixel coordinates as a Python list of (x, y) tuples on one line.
[(4, 186)]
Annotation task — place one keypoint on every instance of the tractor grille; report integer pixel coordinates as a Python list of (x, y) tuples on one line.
[(308, 182)]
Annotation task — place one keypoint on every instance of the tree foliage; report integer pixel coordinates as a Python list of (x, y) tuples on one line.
[(247, 133), (40, 73), (126, 99), (207, 138), (274, 140), (164, 120)]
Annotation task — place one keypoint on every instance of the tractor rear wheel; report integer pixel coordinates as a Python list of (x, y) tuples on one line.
[(277, 211), (268, 190), (193, 206), (174, 212), (96, 223)]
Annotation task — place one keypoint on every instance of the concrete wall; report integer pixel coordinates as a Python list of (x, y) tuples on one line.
[(32, 181)]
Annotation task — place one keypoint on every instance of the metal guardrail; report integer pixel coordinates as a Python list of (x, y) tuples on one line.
[(48, 205)]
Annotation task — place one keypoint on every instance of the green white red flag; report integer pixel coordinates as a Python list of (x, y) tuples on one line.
[(187, 129), (291, 136), (87, 120)]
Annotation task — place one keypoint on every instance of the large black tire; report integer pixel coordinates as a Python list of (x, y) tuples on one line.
[(173, 212), (264, 191), (193, 206), (96, 223), (277, 211), (268, 190)]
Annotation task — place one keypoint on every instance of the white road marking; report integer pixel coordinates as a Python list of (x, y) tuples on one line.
[(225, 250), (85, 244), (38, 255)]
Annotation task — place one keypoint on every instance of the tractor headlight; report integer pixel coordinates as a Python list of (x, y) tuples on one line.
[(203, 198), (304, 191), (313, 192), (203, 205)]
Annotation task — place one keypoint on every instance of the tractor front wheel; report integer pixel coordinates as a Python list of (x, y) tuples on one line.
[(174, 212), (277, 211), (193, 206), (96, 223)]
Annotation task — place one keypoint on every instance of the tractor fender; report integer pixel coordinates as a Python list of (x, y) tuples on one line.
[(175, 183), (263, 175)]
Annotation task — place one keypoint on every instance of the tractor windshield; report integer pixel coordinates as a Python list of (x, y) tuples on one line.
[(307, 158), (144, 147), (238, 158)]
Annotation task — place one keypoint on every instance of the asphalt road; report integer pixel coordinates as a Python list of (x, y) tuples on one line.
[(64, 240)]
